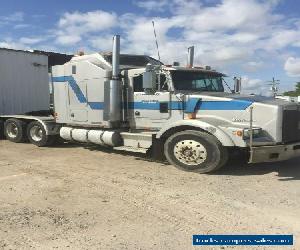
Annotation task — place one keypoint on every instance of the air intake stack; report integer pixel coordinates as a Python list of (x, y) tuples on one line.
[(190, 63), (237, 84), (115, 83)]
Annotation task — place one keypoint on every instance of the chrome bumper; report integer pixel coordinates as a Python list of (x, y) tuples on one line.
[(274, 153)]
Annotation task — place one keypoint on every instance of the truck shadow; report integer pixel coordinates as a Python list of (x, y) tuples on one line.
[(286, 170)]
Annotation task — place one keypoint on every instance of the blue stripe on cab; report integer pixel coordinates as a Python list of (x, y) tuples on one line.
[(96, 105), (144, 105), (204, 105), (195, 105), (74, 86), (192, 105), (80, 96), (76, 89), (224, 105)]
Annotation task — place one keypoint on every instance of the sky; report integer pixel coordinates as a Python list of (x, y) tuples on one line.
[(253, 39)]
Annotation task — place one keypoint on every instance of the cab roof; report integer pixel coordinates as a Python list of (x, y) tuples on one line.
[(132, 61), (194, 69)]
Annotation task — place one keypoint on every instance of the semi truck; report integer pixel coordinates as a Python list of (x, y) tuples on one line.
[(179, 113)]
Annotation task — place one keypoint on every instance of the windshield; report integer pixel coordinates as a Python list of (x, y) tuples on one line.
[(196, 81)]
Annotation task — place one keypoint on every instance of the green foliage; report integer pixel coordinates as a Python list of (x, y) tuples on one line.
[(294, 93)]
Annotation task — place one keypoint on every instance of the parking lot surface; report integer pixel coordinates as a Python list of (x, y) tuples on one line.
[(77, 197)]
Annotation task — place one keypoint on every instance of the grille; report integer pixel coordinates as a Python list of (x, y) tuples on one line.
[(291, 126)]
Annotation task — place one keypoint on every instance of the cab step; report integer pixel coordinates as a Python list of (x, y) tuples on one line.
[(132, 149)]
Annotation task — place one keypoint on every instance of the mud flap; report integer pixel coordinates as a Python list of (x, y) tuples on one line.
[(157, 149)]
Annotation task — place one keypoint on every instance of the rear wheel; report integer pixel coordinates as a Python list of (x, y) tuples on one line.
[(195, 151), (37, 135), (14, 130)]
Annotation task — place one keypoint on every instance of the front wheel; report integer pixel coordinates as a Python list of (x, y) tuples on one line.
[(37, 135), (195, 151)]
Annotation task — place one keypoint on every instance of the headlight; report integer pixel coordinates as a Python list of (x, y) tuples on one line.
[(257, 132)]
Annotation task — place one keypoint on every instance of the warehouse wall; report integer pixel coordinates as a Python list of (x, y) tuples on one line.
[(24, 84)]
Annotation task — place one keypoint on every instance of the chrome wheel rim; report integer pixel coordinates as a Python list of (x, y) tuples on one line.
[(36, 133), (190, 152), (12, 130)]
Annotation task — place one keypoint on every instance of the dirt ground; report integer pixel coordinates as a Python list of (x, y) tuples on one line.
[(71, 197)]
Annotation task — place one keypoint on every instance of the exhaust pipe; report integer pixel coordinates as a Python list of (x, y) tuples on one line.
[(116, 57), (115, 94), (237, 85), (190, 63)]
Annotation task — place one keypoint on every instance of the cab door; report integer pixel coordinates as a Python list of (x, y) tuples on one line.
[(151, 108)]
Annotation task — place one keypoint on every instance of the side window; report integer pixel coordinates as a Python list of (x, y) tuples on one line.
[(199, 84), (138, 83), (163, 83), (73, 69)]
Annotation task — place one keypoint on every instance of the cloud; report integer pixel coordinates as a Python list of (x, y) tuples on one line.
[(31, 40), (225, 32), (101, 43), (282, 38), (153, 5), (9, 44), (229, 32), (230, 35), (292, 66), (68, 39), (232, 14), (24, 43), (22, 26), (73, 26), (254, 86), (253, 66), (244, 37), (230, 54), (12, 19), (251, 84)]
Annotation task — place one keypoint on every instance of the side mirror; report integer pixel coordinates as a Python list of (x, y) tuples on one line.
[(149, 80)]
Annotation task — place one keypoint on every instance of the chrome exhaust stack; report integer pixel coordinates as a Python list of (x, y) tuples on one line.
[(237, 85), (190, 63), (116, 57), (115, 84)]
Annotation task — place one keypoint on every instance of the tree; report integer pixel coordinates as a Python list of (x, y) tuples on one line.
[(294, 93)]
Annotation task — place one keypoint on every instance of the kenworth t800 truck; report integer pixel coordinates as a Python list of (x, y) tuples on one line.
[(182, 113)]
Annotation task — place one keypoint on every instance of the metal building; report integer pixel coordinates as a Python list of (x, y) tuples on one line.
[(24, 79), (24, 84)]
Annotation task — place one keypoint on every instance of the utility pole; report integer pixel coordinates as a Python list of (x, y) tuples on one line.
[(274, 86)]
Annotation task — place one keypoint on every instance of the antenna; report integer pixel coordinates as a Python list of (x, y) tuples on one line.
[(156, 40), (274, 83)]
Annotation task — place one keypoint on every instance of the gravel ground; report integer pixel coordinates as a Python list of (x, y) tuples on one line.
[(75, 197)]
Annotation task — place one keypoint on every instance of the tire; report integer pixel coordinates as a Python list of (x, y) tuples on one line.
[(14, 130), (195, 151), (36, 134)]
